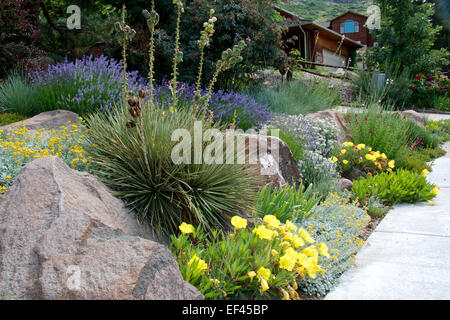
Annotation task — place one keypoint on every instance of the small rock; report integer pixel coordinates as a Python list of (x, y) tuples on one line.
[(344, 184)]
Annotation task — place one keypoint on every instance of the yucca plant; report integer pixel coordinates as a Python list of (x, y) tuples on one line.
[(131, 149)]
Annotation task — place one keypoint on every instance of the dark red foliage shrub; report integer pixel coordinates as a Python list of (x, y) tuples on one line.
[(19, 30)]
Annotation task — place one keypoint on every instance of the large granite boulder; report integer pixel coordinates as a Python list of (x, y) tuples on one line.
[(50, 120), (272, 160), (334, 117), (64, 236)]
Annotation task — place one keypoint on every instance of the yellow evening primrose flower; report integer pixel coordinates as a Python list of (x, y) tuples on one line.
[(345, 162), (348, 144), (238, 222), (391, 164), (201, 264), (343, 151), (186, 228), (264, 273), (424, 172), (272, 221), (436, 191), (305, 235), (264, 285), (334, 159), (323, 250), (287, 262), (383, 156), (361, 146), (251, 274), (264, 233), (274, 252), (290, 226)]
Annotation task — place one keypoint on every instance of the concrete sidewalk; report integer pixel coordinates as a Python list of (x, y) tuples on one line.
[(408, 255)]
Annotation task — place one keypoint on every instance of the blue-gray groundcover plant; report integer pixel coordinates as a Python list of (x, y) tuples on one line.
[(318, 139)]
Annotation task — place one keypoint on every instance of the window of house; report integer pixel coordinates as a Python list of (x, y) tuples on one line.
[(349, 26)]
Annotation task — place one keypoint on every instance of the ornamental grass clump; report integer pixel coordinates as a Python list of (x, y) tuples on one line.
[(396, 187), (132, 149), (19, 145), (260, 263), (337, 222)]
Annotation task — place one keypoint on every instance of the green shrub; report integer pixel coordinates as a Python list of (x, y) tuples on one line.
[(397, 137), (397, 187), (8, 118), (286, 203), (17, 95), (248, 264), (441, 128), (339, 223), (292, 141), (297, 97)]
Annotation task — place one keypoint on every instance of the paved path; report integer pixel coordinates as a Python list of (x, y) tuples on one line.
[(408, 255)]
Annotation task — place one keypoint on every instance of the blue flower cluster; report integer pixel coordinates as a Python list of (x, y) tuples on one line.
[(86, 85), (226, 107), (95, 83)]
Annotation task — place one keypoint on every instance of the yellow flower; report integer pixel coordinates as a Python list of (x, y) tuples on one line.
[(323, 250), (436, 191), (8, 177), (391, 164), (215, 281), (424, 172), (274, 252), (186, 228), (264, 273), (272, 221), (287, 261), (343, 151), (263, 233), (383, 156), (361, 146), (201, 264), (334, 159), (348, 144), (264, 285), (305, 235), (285, 294), (251, 274), (291, 226), (345, 162), (238, 222), (370, 157), (171, 109)]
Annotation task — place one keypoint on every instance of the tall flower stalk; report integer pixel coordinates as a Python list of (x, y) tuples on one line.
[(124, 35), (204, 41), (178, 54), (152, 18)]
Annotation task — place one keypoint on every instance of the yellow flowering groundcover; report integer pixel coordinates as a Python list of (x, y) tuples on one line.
[(18, 146), (262, 262)]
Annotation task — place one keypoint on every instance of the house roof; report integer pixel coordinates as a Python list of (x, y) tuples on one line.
[(337, 36), (297, 21), (352, 12)]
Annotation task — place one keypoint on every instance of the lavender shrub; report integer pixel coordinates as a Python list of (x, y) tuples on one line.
[(84, 86), (226, 107)]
